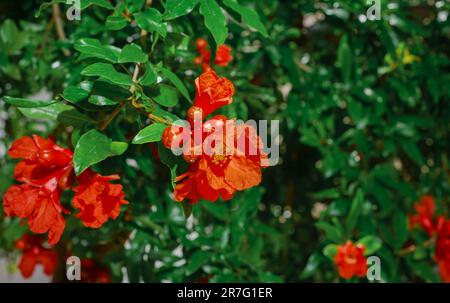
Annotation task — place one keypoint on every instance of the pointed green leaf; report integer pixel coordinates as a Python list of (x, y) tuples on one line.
[(355, 210), (93, 48), (27, 103), (50, 112), (176, 82), (344, 59), (118, 148), (92, 148), (74, 118), (214, 20), (371, 243), (102, 3), (149, 76), (115, 23), (151, 21), (330, 251), (249, 16), (132, 53), (108, 72), (165, 95), (75, 94), (178, 8), (151, 133)]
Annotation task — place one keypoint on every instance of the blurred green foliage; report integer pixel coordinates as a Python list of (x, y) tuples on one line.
[(364, 118)]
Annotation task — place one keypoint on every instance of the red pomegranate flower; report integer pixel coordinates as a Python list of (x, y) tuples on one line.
[(40, 206), (33, 254), (212, 92), (425, 211), (96, 199), (444, 269), (92, 272), (228, 166), (223, 55), (205, 55), (350, 260), (43, 162), (442, 252), (46, 170)]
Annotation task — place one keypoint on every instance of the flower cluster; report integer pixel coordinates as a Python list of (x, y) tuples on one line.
[(35, 253), (223, 155), (223, 55), (425, 210), (435, 226), (45, 171), (92, 272), (350, 260)]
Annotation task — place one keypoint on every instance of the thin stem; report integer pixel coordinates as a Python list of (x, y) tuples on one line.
[(151, 116), (135, 76), (159, 119), (48, 28), (412, 248), (112, 116), (59, 26), (121, 105)]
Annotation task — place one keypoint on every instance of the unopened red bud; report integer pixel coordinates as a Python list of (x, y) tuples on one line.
[(195, 113), (172, 133), (202, 44), (192, 153)]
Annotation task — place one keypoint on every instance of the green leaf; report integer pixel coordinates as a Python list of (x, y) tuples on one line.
[(249, 16), (187, 209), (173, 78), (197, 260), (175, 164), (214, 20), (92, 48), (151, 133), (27, 103), (47, 4), (94, 147), (165, 95), (132, 53), (312, 265), (400, 224), (344, 59), (101, 101), (371, 243), (11, 41), (134, 6), (331, 232), (411, 149), (75, 94), (330, 251), (115, 23), (151, 21), (329, 193), (178, 8), (50, 112), (102, 3), (118, 148), (218, 210), (149, 76), (83, 4), (355, 210), (107, 71), (164, 114), (110, 91), (74, 118)]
